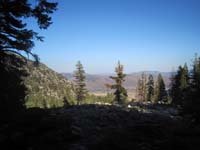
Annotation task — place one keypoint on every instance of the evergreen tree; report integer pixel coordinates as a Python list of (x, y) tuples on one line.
[(142, 88), (179, 85), (80, 86), (195, 77), (15, 37), (120, 92), (150, 88), (191, 104), (161, 94), (139, 90), (12, 89)]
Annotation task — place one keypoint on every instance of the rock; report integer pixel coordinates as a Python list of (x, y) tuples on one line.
[(129, 106)]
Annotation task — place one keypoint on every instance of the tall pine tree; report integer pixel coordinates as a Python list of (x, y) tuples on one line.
[(191, 104), (179, 85), (80, 86), (120, 92), (195, 76), (150, 88), (161, 94)]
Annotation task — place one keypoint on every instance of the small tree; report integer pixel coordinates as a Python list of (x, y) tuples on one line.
[(150, 88), (80, 86), (120, 92), (161, 93)]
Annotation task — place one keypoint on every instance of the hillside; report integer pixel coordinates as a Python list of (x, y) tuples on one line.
[(46, 88), (96, 82)]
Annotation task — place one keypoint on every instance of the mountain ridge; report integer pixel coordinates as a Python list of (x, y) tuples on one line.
[(46, 87)]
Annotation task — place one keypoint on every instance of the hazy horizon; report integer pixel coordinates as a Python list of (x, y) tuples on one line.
[(143, 35), (109, 73)]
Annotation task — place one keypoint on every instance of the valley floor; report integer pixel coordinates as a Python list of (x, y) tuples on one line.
[(99, 127)]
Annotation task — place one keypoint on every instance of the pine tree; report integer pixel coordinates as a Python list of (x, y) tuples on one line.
[(195, 78), (150, 88), (15, 37), (142, 88), (80, 86), (184, 78), (139, 90), (161, 94), (191, 104), (144, 79), (179, 85), (120, 92), (12, 89)]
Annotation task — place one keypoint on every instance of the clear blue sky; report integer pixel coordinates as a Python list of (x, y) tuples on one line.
[(142, 34)]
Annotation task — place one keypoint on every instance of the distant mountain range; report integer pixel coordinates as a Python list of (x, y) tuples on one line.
[(96, 82)]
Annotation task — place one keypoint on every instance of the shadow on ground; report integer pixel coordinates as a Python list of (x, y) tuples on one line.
[(96, 127)]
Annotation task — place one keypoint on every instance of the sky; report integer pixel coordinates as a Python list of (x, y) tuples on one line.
[(153, 35)]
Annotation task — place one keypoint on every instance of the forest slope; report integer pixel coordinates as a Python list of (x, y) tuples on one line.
[(46, 88)]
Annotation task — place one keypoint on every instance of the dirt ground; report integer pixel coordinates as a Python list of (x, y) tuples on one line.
[(98, 127)]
